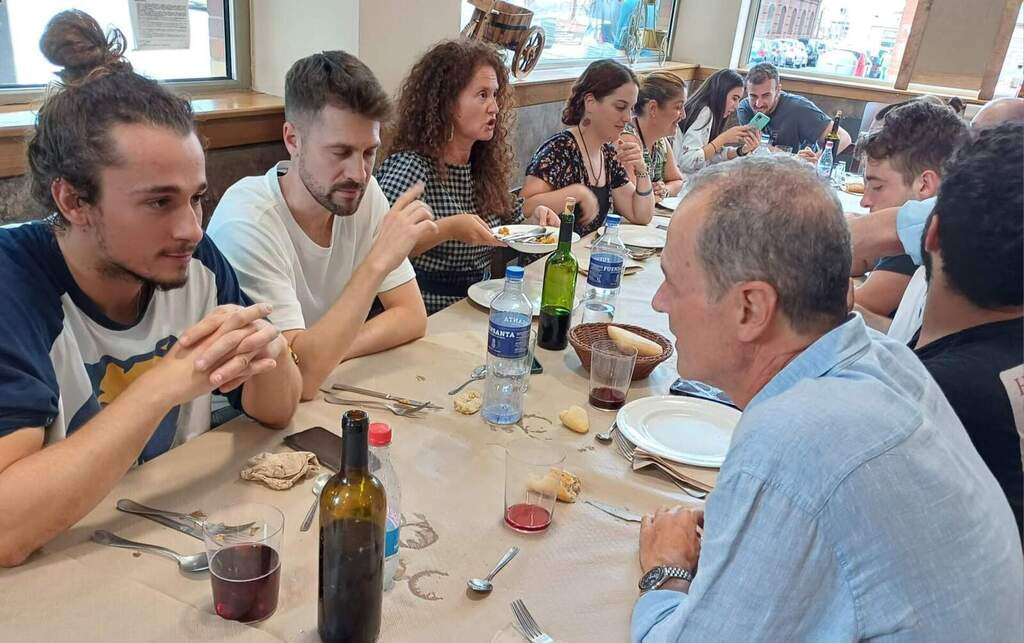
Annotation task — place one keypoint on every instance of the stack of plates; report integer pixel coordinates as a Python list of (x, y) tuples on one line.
[(681, 429)]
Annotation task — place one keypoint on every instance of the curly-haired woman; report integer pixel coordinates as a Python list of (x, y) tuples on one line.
[(586, 160), (455, 111)]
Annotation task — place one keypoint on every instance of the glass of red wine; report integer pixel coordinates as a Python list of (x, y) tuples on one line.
[(611, 370), (243, 544), (533, 471)]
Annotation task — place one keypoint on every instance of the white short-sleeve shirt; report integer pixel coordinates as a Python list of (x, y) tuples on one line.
[(277, 263)]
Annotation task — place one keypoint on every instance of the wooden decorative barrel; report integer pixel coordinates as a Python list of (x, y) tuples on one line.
[(508, 23)]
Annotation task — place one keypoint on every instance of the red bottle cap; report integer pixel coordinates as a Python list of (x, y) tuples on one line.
[(380, 434)]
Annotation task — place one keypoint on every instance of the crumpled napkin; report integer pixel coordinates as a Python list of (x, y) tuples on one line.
[(281, 470)]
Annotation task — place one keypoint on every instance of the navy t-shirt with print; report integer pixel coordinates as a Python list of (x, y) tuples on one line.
[(62, 360)]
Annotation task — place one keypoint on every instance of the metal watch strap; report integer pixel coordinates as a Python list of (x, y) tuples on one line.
[(676, 572)]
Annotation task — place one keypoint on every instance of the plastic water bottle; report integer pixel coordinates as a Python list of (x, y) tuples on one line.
[(607, 260), (825, 162), (765, 148), (382, 469), (508, 342)]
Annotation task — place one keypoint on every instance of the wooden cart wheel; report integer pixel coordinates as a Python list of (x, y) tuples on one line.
[(528, 52)]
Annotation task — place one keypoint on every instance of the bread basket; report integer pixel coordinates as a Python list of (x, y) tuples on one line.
[(583, 336)]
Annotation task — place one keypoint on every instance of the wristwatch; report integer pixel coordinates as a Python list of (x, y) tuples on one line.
[(658, 576)]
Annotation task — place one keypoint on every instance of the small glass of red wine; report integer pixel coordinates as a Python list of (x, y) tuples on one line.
[(243, 544), (533, 471), (611, 370)]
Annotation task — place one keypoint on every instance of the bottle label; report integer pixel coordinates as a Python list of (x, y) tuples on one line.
[(390, 538), (605, 270), (508, 336)]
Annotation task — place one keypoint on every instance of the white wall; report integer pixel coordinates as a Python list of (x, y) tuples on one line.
[(285, 30), (393, 34), (706, 30)]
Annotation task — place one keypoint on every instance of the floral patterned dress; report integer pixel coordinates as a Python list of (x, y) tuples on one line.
[(559, 162)]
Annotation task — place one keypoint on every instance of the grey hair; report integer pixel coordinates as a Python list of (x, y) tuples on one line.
[(772, 219)]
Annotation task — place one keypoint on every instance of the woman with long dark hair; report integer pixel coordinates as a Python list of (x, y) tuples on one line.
[(452, 134), (586, 161), (704, 142)]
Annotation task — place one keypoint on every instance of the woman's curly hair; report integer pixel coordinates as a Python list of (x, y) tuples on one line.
[(426, 108)]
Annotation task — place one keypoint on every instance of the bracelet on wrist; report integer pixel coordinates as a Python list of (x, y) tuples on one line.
[(646, 192)]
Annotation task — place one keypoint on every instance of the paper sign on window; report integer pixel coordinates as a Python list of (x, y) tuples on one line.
[(160, 24)]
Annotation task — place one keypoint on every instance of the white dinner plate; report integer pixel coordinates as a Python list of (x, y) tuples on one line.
[(681, 429), (531, 248), (483, 292), (640, 236), (669, 203)]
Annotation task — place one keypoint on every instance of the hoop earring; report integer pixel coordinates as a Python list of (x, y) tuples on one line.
[(586, 121)]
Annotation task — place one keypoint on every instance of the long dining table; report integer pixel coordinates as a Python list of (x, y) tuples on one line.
[(578, 578)]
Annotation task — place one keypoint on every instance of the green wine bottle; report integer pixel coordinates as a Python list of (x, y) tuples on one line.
[(353, 512), (556, 300)]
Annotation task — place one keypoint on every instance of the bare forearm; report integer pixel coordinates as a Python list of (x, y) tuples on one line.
[(392, 327), (674, 187), (873, 236), (50, 490), (880, 323), (554, 199), (323, 345), (638, 209), (272, 397), (428, 241)]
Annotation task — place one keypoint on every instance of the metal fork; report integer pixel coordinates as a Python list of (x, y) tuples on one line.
[(528, 625), (625, 448), (398, 409)]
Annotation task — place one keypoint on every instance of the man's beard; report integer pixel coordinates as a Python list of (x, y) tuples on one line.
[(114, 269), (323, 196)]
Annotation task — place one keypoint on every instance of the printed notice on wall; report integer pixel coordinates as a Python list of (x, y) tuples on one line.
[(160, 24)]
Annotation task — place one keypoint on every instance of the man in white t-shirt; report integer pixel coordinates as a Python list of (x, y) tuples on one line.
[(315, 236)]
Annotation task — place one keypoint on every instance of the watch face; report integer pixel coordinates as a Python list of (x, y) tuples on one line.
[(652, 578)]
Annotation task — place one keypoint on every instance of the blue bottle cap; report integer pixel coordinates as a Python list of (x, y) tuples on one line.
[(613, 220), (514, 273)]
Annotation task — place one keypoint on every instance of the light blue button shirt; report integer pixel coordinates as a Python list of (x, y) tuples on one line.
[(852, 505), (910, 222)]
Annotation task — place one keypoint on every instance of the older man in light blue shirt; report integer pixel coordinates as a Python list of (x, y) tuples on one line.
[(852, 504)]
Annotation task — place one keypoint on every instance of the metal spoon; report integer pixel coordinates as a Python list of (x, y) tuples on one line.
[(606, 437), (318, 486), (479, 373), (484, 585), (189, 564)]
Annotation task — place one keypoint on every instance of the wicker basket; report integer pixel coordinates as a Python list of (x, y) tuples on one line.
[(583, 336)]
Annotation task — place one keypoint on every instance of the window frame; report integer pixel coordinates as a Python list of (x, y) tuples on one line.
[(237, 38), (749, 31)]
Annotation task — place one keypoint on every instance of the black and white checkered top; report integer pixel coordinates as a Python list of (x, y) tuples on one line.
[(446, 271)]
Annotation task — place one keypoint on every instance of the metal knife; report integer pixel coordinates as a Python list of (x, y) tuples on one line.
[(384, 396), (611, 510), (181, 522)]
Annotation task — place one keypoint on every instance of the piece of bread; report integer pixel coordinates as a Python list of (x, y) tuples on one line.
[(855, 188), (575, 418), (562, 484), (623, 339), (468, 402)]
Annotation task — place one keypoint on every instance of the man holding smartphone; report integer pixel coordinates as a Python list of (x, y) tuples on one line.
[(795, 122)]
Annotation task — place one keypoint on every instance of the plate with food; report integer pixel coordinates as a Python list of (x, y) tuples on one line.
[(531, 239), (483, 292)]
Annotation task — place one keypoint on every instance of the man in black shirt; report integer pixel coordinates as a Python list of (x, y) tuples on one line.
[(972, 332)]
